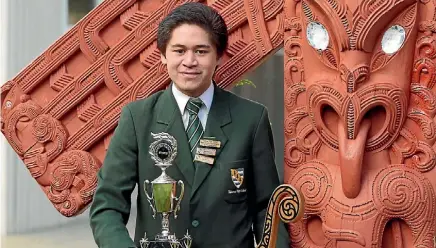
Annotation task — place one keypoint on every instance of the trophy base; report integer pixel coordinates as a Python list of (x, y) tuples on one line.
[(168, 242), (163, 244)]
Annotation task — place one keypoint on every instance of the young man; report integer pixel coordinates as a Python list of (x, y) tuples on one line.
[(218, 211)]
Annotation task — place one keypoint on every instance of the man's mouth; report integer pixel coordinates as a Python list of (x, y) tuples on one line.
[(190, 74)]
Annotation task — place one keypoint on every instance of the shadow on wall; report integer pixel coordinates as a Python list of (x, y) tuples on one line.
[(265, 85)]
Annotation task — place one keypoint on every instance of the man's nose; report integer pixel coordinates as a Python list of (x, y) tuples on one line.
[(190, 59)]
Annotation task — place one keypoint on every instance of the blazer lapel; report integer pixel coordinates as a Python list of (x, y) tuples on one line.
[(219, 116), (169, 115)]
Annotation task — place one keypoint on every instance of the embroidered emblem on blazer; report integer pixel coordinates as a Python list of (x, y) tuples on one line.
[(237, 176)]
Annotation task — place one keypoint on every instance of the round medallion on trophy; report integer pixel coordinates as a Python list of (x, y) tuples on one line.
[(164, 149)]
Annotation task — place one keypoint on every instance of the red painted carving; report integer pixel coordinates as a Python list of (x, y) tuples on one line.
[(359, 123), (59, 113)]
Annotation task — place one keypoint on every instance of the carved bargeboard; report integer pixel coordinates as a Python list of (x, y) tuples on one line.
[(359, 121), (58, 114)]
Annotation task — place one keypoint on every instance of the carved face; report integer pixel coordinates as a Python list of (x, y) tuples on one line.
[(359, 124)]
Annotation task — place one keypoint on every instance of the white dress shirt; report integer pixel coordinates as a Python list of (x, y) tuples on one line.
[(182, 100)]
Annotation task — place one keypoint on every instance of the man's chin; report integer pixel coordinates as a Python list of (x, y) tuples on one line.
[(188, 88), (190, 84)]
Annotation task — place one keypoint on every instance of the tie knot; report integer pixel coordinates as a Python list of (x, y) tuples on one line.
[(194, 105)]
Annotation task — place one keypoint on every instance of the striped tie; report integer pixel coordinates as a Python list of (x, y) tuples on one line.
[(195, 129)]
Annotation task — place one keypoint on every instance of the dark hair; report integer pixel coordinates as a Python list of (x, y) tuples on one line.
[(197, 14)]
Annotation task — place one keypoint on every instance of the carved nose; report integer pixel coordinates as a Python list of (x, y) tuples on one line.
[(352, 77)]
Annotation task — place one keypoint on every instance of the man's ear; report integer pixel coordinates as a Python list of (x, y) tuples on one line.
[(163, 59)]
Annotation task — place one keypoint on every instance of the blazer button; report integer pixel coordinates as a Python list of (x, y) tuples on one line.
[(195, 223)]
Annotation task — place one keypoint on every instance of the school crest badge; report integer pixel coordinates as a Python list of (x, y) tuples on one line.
[(237, 176)]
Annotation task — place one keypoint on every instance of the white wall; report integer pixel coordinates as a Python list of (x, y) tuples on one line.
[(3, 145), (27, 28)]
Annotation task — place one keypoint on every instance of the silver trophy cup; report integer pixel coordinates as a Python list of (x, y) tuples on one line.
[(163, 191)]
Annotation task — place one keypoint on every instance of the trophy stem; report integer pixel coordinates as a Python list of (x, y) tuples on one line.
[(163, 166), (165, 227)]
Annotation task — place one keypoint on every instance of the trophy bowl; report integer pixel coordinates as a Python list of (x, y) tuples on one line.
[(163, 197)]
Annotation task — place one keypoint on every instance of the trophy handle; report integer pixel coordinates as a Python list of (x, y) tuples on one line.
[(179, 199), (149, 198)]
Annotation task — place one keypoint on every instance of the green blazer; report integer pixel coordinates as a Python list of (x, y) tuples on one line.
[(214, 215)]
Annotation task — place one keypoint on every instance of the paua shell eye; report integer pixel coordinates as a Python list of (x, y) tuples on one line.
[(393, 39), (317, 36)]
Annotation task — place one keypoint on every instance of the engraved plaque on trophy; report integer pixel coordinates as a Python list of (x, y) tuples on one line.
[(162, 197)]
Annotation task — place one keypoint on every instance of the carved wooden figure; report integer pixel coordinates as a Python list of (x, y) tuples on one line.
[(359, 121)]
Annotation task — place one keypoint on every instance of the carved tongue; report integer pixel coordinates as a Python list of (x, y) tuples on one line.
[(351, 153)]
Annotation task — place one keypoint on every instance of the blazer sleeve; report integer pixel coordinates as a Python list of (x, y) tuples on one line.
[(110, 209), (266, 179)]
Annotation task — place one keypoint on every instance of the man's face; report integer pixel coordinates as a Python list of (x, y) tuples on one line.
[(191, 59)]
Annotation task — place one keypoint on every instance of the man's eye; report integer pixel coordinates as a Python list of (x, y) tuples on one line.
[(201, 51), (180, 51)]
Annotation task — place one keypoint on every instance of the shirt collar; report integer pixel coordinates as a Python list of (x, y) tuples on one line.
[(182, 99)]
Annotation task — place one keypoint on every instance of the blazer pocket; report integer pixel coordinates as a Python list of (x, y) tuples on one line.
[(236, 198), (234, 181)]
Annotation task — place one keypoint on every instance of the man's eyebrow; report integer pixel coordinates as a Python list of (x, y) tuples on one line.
[(202, 46), (197, 46), (178, 45)]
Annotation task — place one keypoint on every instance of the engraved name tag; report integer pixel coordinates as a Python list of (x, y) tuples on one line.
[(204, 159), (206, 151), (210, 143)]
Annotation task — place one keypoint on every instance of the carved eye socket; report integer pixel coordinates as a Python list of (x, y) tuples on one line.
[(317, 36), (393, 39)]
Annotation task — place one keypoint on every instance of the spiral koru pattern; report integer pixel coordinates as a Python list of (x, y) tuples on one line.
[(24, 112), (289, 207), (314, 181), (401, 192), (43, 128), (427, 161), (289, 204), (294, 156)]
